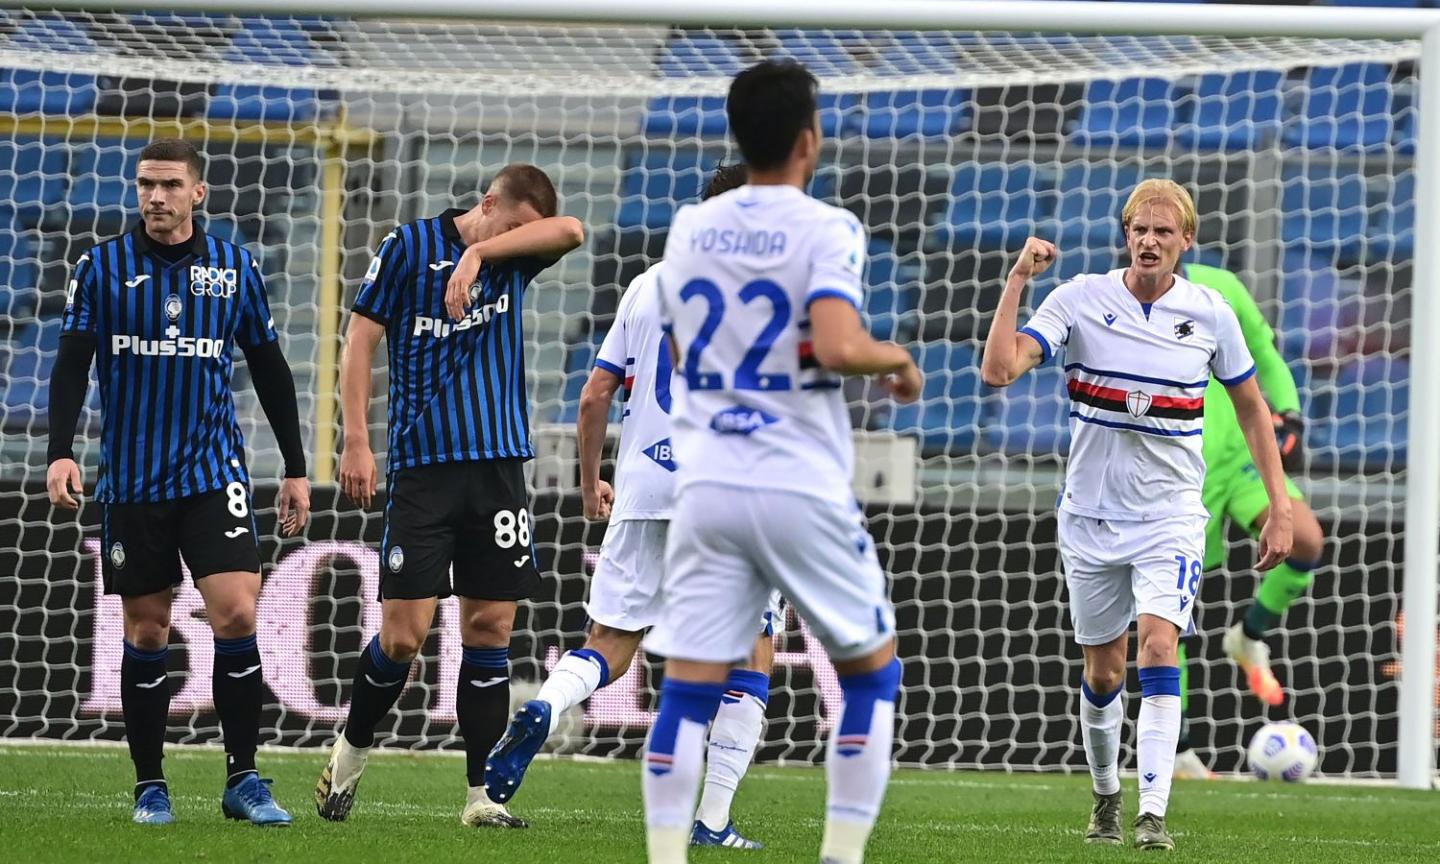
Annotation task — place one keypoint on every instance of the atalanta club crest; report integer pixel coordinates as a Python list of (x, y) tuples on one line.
[(117, 554), (173, 307), (397, 559), (1137, 402)]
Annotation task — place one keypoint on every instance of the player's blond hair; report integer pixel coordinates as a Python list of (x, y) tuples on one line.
[(1159, 191)]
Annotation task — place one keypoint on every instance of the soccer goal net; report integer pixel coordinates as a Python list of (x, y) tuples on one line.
[(321, 134)]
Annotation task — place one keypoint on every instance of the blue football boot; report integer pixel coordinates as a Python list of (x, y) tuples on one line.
[(153, 806), (727, 837), (250, 799), (505, 767)]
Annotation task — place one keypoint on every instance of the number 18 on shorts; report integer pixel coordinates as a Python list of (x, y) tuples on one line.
[(1117, 570)]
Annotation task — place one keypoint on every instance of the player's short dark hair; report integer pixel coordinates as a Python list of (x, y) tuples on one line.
[(522, 183), (175, 150), (725, 178), (769, 105)]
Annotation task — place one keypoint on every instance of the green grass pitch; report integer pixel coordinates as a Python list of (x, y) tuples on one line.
[(73, 804)]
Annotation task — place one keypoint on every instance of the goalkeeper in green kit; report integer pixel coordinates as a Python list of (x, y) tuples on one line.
[(1233, 490)]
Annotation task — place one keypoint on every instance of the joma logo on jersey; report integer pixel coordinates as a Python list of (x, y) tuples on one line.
[(213, 281), (741, 420), (184, 346), (440, 327), (662, 453)]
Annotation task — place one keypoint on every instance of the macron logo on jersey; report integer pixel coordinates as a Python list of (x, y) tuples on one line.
[(662, 454), (442, 327), (741, 420)]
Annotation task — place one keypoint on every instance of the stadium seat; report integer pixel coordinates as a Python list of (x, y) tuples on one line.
[(1392, 225), (1324, 210), (1348, 107), (947, 415), (1032, 415), (579, 360), (674, 117), (270, 42), (1317, 305), (914, 53), (821, 51), (696, 54), (104, 186), (1130, 113), (1361, 415), (25, 362), (892, 292), (19, 269), (1092, 194), (910, 113), (33, 175), (993, 206), (29, 91), (656, 182), (1235, 111)]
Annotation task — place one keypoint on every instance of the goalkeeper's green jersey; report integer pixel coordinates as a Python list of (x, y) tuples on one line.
[(1223, 439)]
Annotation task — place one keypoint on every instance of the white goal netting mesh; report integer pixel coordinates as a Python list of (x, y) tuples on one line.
[(322, 134)]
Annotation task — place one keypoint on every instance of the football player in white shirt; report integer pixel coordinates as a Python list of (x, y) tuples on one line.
[(1140, 345), (762, 288), (625, 590)]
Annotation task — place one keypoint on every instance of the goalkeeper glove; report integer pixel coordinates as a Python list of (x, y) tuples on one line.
[(1289, 437)]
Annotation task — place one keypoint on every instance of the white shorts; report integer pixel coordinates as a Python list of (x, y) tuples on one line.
[(730, 548), (1118, 570), (625, 590)]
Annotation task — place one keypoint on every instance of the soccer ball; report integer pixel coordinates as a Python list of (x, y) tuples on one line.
[(1283, 751)]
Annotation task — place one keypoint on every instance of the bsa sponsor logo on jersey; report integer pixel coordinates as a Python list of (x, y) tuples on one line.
[(741, 420), (213, 281), (1138, 402), (662, 454)]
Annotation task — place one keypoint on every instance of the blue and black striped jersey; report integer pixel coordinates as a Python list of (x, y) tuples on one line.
[(164, 335), (457, 388)]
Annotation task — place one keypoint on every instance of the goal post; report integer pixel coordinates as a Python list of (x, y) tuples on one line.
[(953, 128)]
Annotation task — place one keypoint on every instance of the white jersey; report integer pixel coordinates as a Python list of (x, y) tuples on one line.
[(644, 463), (1136, 378), (752, 407)]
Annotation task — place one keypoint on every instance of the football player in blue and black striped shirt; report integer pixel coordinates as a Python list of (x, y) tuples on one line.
[(447, 292), (159, 309)]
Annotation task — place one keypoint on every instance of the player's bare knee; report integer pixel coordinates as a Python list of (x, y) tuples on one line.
[(148, 635), (1105, 678), (232, 621), (401, 644), (486, 623), (1309, 542), (618, 647), (1159, 646)]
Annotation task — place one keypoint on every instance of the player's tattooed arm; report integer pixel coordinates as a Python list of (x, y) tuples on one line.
[(546, 239), (1009, 353), (1254, 416), (590, 432), (357, 461)]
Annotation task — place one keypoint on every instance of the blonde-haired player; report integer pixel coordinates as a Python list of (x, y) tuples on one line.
[(1140, 346)]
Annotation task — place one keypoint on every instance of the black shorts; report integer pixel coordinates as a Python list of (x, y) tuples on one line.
[(142, 544), (474, 515)]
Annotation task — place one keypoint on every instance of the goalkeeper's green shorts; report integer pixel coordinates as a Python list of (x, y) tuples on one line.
[(1234, 490)]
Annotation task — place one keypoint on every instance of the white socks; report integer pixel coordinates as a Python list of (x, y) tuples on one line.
[(1159, 729), (734, 735), (577, 675), (857, 763), (1102, 719), (674, 760)]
